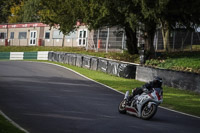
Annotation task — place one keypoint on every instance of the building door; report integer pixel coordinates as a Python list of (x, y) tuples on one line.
[(33, 37), (82, 38)]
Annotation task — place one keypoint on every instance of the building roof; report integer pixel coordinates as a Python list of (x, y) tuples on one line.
[(22, 25)]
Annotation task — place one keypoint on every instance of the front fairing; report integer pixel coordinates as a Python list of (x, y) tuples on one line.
[(152, 97)]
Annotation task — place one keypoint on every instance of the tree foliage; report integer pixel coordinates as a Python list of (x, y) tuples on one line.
[(132, 15), (16, 11), (95, 14), (30, 10), (171, 14), (63, 13), (5, 6), (23, 11)]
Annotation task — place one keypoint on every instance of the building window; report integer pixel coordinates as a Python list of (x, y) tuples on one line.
[(3, 35), (82, 37), (12, 35), (22, 35), (57, 34), (47, 35)]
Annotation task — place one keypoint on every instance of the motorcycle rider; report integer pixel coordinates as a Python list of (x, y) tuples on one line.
[(156, 83)]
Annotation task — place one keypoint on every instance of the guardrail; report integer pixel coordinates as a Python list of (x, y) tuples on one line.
[(41, 55), (117, 68), (176, 79)]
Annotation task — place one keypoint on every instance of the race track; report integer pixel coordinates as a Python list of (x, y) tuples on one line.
[(44, 98)]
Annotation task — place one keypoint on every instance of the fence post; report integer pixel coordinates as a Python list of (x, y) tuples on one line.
[(123, 38), (86, 43), (97, 40), (157, 40), (191, 41), (182, 45), (174, 37), (72, 42), (107, 40)]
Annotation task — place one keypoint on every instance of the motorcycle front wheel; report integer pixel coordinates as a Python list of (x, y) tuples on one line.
[(148, 113), (122, 107)]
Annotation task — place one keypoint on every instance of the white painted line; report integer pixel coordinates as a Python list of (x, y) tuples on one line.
[(180, 112), (13, 123), (114, 89)]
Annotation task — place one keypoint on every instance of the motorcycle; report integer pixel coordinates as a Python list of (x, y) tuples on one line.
[(143, 106)]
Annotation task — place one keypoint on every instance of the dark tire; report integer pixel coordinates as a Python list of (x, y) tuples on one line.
[(148, 113), (122, 107)]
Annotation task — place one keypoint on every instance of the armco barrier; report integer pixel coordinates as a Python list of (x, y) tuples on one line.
[(41, 55), (72, 59), (30, 55), (112, 67), (171, 78), (121, 69), (94, 63), (127, 70), (4, 55), (87, 61), (16, 55), (79, 60), (102, 65)]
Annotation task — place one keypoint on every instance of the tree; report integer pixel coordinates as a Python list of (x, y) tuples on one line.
[(111, 13), (30, 10), (63, 13), (5, 12), (169, 13), (96, 14), (25, 11), (16, 11)]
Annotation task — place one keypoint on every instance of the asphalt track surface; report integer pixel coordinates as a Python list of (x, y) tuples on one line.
[(44, 98)]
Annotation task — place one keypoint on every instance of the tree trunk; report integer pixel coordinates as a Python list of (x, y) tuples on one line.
[(131, 41), (63, 40), (149, 38), (165, 35)]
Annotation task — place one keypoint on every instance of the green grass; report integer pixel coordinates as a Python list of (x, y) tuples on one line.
[(184, 61), (176, 99), (182, 100), (7, 127), (194, 47)]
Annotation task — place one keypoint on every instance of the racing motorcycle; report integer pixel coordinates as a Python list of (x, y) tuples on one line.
[(143, 106)]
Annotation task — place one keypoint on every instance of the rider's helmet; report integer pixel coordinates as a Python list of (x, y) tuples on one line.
[(157, 82)]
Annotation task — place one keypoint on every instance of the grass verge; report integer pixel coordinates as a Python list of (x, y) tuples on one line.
[(7, 127), (181, 61), (176, 99)]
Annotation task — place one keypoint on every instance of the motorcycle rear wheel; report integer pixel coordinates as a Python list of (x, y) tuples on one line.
[(148, 113), (122, 107)]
